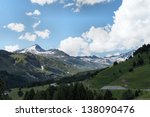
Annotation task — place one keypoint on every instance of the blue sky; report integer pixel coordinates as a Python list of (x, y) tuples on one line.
[(61, 22)]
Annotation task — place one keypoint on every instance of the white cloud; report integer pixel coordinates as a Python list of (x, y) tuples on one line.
[(75, 4), (12, 48), (130, 30), (131, 26), (18, 27), (28, 36), (68, 5), (43, 2), (34, 13), (62, 1), (80, 3), (33, 36), (76, 10), (74, 46), (90, 2), (36, 24), (43, 34), (96, 40)]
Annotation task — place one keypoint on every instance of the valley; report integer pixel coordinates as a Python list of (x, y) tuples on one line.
[(37, 69), (35, 64)]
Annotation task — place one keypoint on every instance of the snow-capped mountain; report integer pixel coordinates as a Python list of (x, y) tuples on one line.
[(90, 62), (86, 62), (37, 50), (120, 58), (107, 60), (94, 59)]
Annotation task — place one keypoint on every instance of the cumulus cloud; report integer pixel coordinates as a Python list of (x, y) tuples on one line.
[(74, 46), (131, 24), (34, 13), (43, 34), (43, 2), (96, 40), (12, 48), (33, 36), (18, 27), (130, 30), (28, 36), (36, 24)]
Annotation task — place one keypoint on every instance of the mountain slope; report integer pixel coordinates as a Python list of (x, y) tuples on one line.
[(36, 64), (121, 57), (139, 78), (37, 50), (33, 68), (133, 73), (81, 62)]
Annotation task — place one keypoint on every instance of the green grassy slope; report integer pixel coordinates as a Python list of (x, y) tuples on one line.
[(139, 78), (109, 75), (125, 74), (28, 67), (144, 96)]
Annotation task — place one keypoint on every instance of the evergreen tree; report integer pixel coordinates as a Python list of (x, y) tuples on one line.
[(137, 93), (50, 92), (115, 63), (140, 61), (130, 57), (20, 92), (40, 95), (108, 95), (97, 95), (131, 70), (79, 92), (61, 93), (128, 95), (1, 88), (29, 95), (120, 71), (134, 64), (26, 95), (141, 50)]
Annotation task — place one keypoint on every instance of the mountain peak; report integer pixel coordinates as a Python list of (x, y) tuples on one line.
[(35, 45), (37, 48)]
